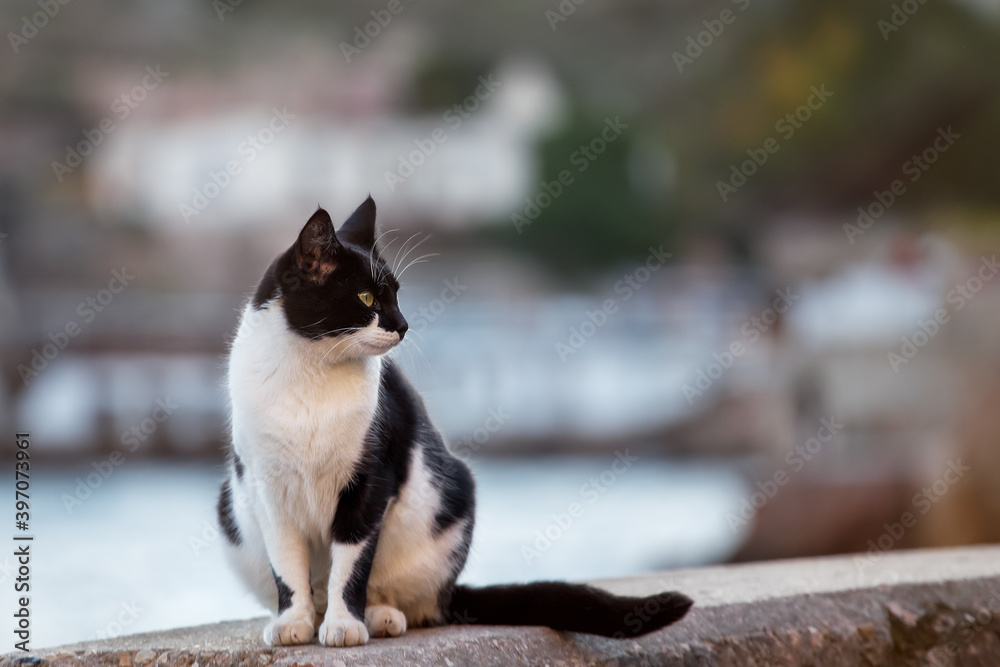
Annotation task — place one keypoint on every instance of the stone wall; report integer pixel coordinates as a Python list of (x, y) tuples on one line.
[(932, 607)]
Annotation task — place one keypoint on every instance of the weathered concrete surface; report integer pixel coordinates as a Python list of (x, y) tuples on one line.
[(939, 607)]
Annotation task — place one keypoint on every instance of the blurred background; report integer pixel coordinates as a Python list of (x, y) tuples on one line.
[(722, 273)]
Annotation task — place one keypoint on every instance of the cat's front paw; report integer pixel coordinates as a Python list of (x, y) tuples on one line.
[(384, 621), (289, 629), (343, 632)]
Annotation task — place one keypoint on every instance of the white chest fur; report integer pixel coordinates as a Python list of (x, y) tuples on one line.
[(299, 422)]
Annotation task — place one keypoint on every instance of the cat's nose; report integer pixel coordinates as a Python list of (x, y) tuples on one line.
[(402, 329)]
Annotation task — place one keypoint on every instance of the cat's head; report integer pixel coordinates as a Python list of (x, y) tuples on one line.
[(335, 289)]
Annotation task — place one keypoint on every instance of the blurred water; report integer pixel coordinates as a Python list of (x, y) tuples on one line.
[(141, 552), (485, 351)]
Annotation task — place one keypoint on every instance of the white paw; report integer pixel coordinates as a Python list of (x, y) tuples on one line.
[(289, 629), (384, 621), (343, 632)]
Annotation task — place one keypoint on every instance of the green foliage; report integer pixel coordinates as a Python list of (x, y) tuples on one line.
[(441, 82), (600, 219), (892, 89)]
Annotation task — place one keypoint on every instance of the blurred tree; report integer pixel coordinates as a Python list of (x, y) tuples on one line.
[(892, 91), (598, 219)]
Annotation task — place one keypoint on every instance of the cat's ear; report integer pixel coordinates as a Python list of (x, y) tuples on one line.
[(317, 247), (360, 227)]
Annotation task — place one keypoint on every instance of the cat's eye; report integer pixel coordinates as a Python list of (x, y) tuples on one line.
[(367, 298)]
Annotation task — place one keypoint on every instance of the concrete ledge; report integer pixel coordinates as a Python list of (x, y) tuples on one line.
[(936, 607)]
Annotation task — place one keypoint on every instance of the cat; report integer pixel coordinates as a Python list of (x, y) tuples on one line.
[(342, 508)]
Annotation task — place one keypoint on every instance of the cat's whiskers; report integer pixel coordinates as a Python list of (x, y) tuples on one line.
[(336, 345), (355, 343), (421, 351), (407, 254), (395, 260), (336, 331), (315, 323), (389, 245), (409, 345), (371, 253), (419, 260), (383, 271), (398, 350)]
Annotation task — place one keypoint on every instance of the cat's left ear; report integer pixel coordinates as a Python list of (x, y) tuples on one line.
[(360, 227), (316, 248)]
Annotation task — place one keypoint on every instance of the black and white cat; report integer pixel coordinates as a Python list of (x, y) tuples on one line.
[(342, 507)]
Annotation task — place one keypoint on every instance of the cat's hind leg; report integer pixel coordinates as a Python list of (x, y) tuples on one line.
[(243, 545), (272, 560), (424, 539), (384, 621)]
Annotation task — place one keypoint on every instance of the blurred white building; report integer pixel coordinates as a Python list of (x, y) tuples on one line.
[(237, 167)]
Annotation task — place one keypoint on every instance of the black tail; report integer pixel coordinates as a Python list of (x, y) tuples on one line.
[(572, 607)]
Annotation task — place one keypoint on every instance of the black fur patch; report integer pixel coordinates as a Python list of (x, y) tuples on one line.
[(356, 590), (453, 481), (384, 468), (226, 519), (267, 288), (570, 607), (457, 497), (284, 592), (238, 465), (359, 510), (320, 276)]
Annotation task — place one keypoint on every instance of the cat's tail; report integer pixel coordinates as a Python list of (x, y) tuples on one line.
[(562, 606)]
